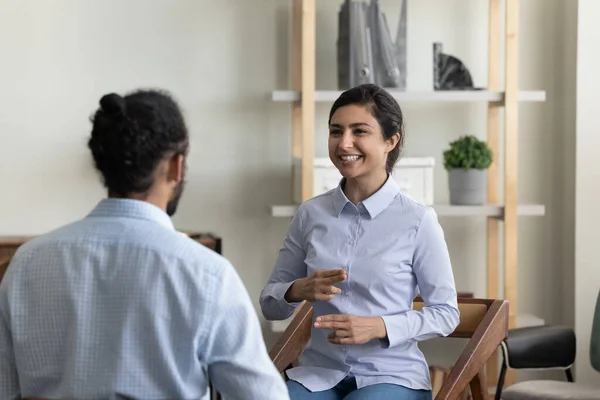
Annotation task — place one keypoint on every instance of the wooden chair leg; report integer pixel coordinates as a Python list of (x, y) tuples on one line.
[(479, 387)]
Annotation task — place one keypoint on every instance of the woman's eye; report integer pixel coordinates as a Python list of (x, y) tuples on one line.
[(360, 131), (335, 132)]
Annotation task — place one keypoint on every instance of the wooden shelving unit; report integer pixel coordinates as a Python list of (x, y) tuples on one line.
[(303, 96)]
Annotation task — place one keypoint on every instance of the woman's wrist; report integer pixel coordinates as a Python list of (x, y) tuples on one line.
[(292, 295), (381, 331)]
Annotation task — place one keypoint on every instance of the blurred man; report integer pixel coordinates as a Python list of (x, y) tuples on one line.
[(121, 305)]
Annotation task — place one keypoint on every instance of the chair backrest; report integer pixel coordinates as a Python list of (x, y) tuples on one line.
[(483, 321), (595, 339)]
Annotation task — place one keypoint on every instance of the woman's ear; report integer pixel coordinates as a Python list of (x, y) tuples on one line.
[(393, 141)]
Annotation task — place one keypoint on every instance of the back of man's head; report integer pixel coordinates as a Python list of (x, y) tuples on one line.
[(131, 135)]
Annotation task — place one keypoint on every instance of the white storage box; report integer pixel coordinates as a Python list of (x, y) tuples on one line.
[(413, 174)]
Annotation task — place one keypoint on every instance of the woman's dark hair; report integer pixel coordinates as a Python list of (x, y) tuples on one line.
[(384, 108), (132, 134)]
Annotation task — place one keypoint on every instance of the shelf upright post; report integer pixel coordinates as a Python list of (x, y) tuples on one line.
[(511, 125), (511, 138), (493, 128), (305, 117), (296, 77)]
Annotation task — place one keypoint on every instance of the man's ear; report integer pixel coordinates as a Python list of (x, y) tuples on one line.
[(176, 165)]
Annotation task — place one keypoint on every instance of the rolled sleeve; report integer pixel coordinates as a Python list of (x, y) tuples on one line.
[(277, 292), (435, 279), (289, 267)]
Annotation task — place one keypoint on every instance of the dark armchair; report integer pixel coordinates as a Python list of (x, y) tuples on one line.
[(547, 347)]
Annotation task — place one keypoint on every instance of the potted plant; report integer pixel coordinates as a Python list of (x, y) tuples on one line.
[(467, 161)]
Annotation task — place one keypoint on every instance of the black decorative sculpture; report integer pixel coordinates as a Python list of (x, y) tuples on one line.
[(449, 73)]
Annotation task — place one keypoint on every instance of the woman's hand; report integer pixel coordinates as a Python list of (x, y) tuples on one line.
[(316, 287), (351, 329)]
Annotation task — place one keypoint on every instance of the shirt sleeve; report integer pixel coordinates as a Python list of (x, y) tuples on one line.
[(289, 267), (9, 382), (239, 365), (435, 279)]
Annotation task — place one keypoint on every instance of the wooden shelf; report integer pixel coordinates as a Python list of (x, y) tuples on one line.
[(445, 210), (502, 98), (432, 96), (523, 320)]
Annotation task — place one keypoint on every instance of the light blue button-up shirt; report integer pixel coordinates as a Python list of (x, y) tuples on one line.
[(121, 305), (392, 248)]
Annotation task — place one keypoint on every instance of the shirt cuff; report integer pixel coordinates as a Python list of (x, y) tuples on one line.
[(278, 292), (396, 327)]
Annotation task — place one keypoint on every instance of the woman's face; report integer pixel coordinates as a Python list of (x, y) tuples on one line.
[(356, 144)]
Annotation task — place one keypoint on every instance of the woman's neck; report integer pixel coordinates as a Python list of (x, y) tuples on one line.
[(361, 188)]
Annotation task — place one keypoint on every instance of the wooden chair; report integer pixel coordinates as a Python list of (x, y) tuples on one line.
[(483, 321)]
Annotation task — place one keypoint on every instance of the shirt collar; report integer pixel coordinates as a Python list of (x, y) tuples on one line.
[(130, 208), (374, 204)]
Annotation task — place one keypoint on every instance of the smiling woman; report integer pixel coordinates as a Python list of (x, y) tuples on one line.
[(365, 138), (360, 254), (376, 111)]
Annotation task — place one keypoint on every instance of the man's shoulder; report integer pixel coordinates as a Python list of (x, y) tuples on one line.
[(34, 243), (173, 246)]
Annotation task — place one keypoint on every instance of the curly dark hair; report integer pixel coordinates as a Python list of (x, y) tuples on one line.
[(132, 134), (384, 108)]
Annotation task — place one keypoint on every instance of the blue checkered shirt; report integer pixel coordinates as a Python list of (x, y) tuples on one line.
[(121, 305)]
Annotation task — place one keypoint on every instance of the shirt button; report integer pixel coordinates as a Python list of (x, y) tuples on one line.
[(350, 242)]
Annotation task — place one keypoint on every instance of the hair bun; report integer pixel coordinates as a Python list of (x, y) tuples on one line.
[(112, 103)]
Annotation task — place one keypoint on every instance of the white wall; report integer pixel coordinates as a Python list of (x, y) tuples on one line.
[(220, 61), (59, 57), (587, 181)]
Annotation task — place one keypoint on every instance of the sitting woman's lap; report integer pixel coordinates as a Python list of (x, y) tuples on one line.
[(346, 390)]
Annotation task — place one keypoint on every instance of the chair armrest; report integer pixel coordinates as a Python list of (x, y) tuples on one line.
[(291, 344), (468, 370), (540, 347)]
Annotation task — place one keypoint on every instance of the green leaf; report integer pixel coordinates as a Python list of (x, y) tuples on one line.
[(468, 152)]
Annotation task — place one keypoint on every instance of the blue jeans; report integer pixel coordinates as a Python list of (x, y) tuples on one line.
[(346, 390)]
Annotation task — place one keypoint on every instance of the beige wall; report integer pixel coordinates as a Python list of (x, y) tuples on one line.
[(220, 61)]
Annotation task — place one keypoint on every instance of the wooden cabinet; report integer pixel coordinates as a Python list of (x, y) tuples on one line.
[(10, 244)]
